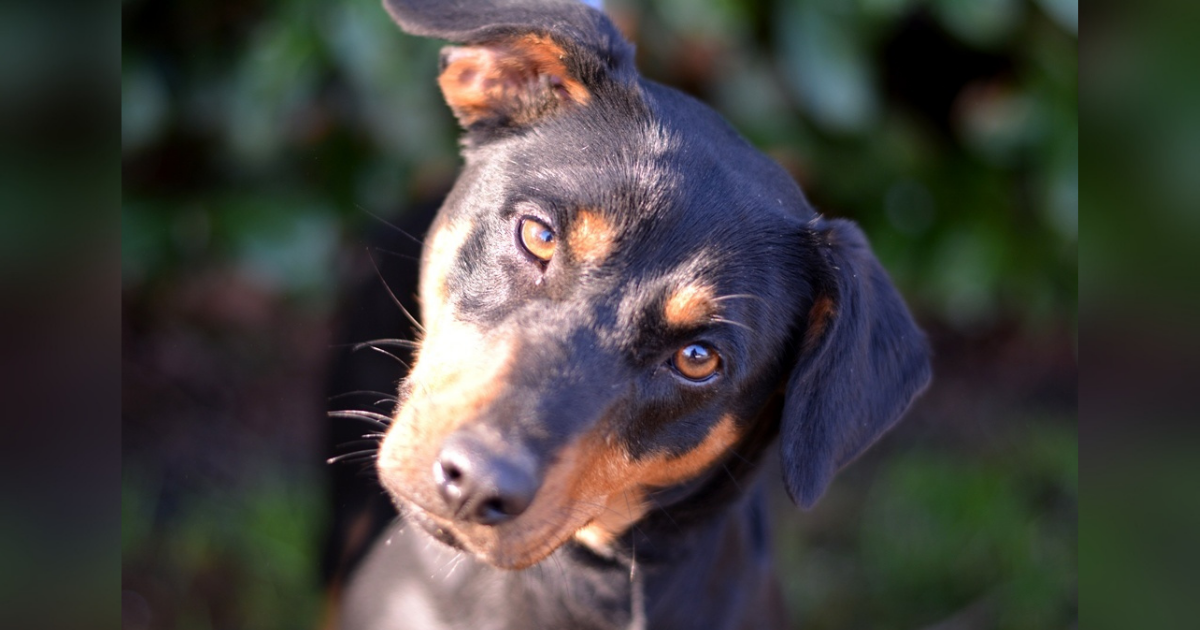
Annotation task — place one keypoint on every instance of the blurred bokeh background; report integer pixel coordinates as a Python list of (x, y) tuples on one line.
[(262, 143)]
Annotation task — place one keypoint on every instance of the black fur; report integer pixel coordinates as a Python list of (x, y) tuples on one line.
[(870, 364), (688, 200)]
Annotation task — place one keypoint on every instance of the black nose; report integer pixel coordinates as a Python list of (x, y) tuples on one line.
[(481, 486)]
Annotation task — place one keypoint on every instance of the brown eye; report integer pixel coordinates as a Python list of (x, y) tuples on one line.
[(538, 239), (697, 361)]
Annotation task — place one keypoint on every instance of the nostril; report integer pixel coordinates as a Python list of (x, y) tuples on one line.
[(493, 511), (451, 473), (496, 510), (510, 492), (450, 476), (480, 486)]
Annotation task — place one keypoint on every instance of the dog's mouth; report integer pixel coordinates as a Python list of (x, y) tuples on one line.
[(511, 547), (437, 531), (592, 492), (519, 544)]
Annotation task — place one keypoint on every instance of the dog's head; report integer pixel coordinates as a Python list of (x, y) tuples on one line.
[(613, 291)]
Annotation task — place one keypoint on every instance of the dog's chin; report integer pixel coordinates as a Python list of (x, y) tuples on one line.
[(498, 557), (438, 532)]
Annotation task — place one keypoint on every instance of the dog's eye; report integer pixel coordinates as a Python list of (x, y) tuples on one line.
[(538, 239), (697, 361)]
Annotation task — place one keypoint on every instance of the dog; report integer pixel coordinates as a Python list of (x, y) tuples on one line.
[(624, 306)]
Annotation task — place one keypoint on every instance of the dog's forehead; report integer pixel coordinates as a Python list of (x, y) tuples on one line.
[(661, 190), (647, 177)]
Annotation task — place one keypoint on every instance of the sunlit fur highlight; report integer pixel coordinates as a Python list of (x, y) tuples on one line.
[(690, 305), (592, 237), (521, 79), (440, 258), (451, 383)]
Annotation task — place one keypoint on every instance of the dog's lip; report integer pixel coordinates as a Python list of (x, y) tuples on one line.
[(445, 532), (412, 510), (439, 532)]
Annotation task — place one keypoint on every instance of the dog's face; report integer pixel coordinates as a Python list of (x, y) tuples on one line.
[(613, 291), (609, 316)]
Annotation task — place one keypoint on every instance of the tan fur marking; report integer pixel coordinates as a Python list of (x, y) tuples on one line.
[(819, 316), (621, 511), (591, 237), (505, 77), (550, 58), (610, 475), (439, 260), (690, 305), (595, 491), (458, 373), (665, 471)]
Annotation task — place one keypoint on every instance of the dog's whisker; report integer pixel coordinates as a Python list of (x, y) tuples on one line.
[(402, 343), (359, 442), (395, 300), (562, 570), (739, 296), (364, 392), (388, 252), (390, 355), (732, 478), (664, 511), (450, 564), (574, 510), (458, 560), (740, 456), (366, 416), (352, 456), (722, 320), (389, 224)]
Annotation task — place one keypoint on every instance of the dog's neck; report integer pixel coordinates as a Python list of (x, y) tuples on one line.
[(713, 540)]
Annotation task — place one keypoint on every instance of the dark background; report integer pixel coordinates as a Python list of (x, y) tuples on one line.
[(261, 142)]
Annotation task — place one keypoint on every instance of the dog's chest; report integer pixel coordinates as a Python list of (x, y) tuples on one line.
[(723, 581), (409, 582)]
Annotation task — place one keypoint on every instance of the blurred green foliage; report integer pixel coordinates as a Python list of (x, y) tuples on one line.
[(945, 531), (980, 540), (242, 558)]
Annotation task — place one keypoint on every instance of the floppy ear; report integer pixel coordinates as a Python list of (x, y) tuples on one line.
[(862, 362), (524, 59)]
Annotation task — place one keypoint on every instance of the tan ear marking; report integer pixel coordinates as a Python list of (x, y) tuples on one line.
[(517, 80), (819, 316)]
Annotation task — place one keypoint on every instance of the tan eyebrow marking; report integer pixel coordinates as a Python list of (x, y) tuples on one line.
[(592, 237), (690, 305)]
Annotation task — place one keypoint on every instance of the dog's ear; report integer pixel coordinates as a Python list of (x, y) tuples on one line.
[(522, 59), (861, 362)]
